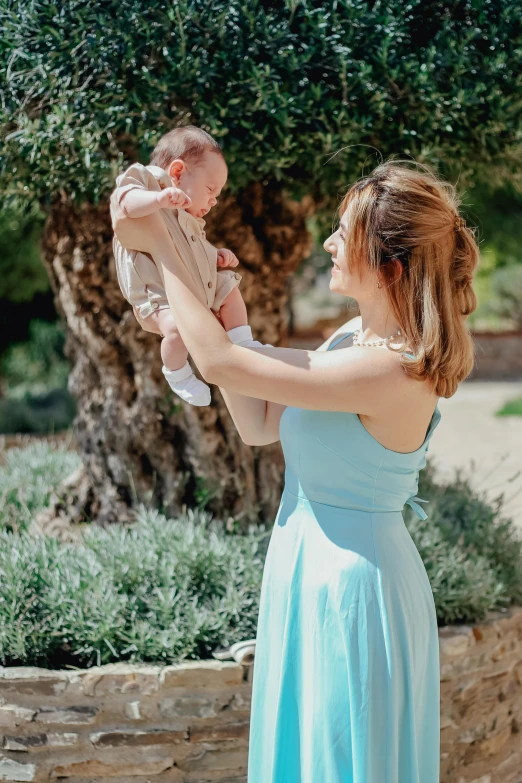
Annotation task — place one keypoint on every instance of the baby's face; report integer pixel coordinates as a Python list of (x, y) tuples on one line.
[(202, 181)]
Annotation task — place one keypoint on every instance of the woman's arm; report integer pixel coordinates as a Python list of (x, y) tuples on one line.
[(257, 421), (342, 380)]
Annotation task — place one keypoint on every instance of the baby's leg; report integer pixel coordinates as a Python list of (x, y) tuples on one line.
[(233, 311), (234, 317), (176, 368), (173, 351)]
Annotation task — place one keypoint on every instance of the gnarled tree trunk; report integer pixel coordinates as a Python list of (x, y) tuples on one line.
[(138, 441)]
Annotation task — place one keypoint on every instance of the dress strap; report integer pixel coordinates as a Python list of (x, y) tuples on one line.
[(342, 337)]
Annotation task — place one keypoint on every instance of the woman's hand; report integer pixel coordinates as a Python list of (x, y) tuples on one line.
[(145, 234)]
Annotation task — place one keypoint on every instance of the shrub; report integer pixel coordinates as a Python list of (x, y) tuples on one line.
[(473, 556), (22, 274), (511, 407), (506, 288), (37, 366), (160, 590), (27, 479), (41, 415), (164, 590), (34, 376)]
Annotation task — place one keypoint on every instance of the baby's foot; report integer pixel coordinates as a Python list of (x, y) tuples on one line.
[(185, 384), (242, 335)]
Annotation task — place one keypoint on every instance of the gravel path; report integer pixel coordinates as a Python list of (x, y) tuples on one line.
[(488, 447)]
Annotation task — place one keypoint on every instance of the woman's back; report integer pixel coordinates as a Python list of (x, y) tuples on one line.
[(331, 458)]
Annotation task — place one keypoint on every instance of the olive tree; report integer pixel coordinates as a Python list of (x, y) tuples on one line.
[(304, 96)]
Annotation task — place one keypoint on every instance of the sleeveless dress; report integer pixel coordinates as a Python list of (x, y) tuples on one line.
[(346, 681)]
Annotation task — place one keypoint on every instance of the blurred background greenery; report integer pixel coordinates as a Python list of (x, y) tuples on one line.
[(33, 366)]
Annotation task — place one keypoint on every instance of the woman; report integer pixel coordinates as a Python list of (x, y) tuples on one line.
[(346, 675)]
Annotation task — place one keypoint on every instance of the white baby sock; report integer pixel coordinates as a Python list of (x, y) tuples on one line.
[(185, 384), (242, 335)]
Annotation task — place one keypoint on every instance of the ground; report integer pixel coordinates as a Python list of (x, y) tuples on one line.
[(469, 431)]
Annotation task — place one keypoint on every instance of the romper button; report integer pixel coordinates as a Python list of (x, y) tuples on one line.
[(193, 238), (237, 275), (209, 284), (155, 305)]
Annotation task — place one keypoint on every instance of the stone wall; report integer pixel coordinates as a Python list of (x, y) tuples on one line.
[(481, 700), (498, 356), (189, 723), (177, 724)]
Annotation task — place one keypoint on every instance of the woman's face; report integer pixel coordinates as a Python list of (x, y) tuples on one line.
[(341, 280)]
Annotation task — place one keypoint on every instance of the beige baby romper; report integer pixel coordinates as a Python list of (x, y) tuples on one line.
[(140, 280)]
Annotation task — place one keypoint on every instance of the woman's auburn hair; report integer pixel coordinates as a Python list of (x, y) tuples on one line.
[(399, 215)]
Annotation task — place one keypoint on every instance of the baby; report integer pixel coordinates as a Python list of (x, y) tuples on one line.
[(186, 175)]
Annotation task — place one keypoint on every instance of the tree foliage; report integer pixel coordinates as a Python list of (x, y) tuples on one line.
[(284, 85)]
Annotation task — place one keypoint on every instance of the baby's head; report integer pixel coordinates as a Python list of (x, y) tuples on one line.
[(195, 163)]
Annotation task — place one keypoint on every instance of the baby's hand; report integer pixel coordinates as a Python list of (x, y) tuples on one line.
[(226, 257), (173, 198)]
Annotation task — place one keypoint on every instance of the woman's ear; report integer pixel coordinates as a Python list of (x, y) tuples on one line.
[(397, 270)]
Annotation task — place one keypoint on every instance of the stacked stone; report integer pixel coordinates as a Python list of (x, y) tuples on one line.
[(186, 723), (189, 723), (481, 700), (498, 355)]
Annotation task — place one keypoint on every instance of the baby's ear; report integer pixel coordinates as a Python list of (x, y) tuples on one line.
[(176, 168)]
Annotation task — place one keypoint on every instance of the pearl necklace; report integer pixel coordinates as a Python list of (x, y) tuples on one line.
[(385, 341)]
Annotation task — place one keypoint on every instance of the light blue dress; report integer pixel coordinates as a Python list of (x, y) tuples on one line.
[(346, 683)]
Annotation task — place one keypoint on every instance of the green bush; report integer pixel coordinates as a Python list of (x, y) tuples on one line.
[(37, 366), (473, 556), (165, 590), (506, 289), (160, 590), (34, 382), (511, 407), (498, 215), (22, 274), (464, 584), (28, 476), (44, 414)]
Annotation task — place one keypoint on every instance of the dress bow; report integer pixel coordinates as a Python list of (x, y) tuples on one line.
[(413, 502)]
